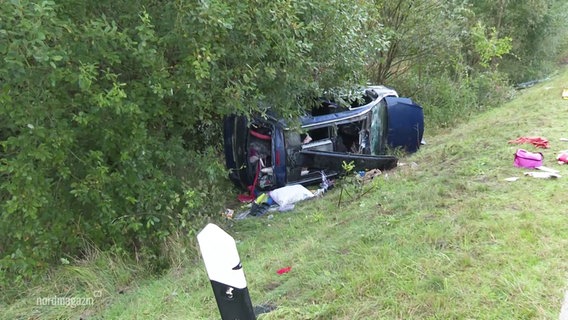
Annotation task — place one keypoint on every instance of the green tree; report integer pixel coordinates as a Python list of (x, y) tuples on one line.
[(436, 53), (422, 35), (537, 29), (488, 46)]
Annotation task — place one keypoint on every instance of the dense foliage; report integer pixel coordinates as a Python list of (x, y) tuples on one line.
[(110, 110), (538, 30), (458, 57)]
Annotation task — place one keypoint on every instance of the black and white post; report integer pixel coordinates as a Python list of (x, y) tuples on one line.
[(219, 252)]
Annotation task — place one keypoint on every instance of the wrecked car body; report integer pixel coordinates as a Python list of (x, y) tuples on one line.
[(263, 153)]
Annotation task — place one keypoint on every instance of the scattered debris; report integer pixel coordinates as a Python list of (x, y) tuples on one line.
[(284, 270), (228, 213), (325, 182), (281, 199), (319, 192), (534, 160), (365, 177), (261, 205), (547, 169), (538, 142), (543, 175), (242, 215), (259, 209), (290, 194)]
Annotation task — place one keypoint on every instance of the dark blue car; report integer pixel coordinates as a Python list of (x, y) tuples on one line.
[(263, 153)]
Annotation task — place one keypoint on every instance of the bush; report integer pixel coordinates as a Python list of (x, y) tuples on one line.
[(447, 100), (91, 147)]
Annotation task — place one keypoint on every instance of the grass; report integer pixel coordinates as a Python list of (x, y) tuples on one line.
[(444, 238)]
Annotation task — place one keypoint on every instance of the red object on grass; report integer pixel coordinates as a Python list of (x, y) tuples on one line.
[(538, 142), (284, 270)]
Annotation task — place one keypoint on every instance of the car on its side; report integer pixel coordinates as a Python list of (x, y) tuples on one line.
[(263, 153)]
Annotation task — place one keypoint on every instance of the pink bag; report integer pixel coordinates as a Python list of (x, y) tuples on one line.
[(526, 159)]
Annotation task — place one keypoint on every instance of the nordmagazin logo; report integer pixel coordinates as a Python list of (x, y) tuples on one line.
[(67, 301)]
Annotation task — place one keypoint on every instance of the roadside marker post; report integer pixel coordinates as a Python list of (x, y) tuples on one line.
[(225, 271)]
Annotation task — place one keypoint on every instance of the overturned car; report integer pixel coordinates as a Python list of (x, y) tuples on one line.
[(264, 153)]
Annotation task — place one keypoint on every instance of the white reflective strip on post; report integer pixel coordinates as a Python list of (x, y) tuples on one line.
[(221, 258), (564, 308)]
